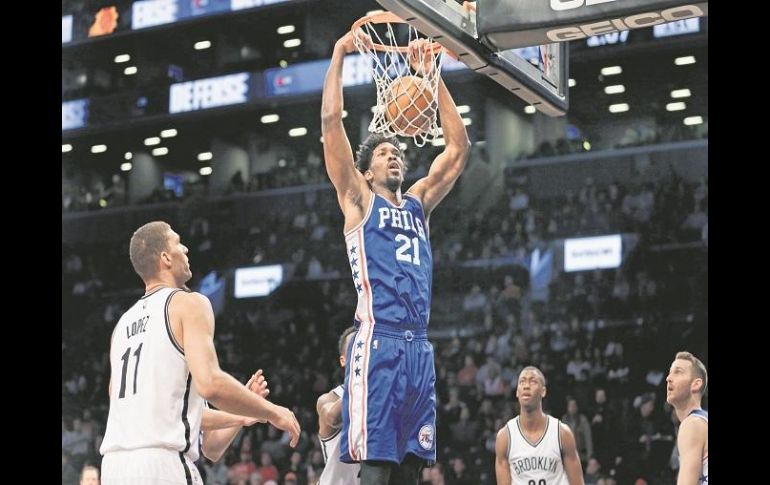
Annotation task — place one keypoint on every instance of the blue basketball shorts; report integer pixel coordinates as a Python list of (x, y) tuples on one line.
[(389, 404)]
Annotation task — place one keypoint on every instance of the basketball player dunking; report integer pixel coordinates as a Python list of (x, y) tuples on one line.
[(535, 447), (329, 407), (163, 366), (389, 404), (685, 386)]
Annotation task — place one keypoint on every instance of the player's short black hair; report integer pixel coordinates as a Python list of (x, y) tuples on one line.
[(366, 149), (536, 371), (344, 335)]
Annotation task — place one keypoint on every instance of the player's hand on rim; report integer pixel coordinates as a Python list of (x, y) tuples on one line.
[(350, 40), (421, 57)]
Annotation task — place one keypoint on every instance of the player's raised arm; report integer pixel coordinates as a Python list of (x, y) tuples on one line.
[(338, 155), (449, 164)]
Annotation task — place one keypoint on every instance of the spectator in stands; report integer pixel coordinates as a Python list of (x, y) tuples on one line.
[(268, 471), (580, 426), (467, 375), (592, 474)]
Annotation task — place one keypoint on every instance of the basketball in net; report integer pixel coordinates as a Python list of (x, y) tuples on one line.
[(410, 108), (406, 68)]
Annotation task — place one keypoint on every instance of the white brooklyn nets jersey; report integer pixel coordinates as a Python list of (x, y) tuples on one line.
[(153, 403), (536, 463), (335, 472)]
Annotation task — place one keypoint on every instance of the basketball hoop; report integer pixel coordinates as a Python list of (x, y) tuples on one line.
[(407, 96)]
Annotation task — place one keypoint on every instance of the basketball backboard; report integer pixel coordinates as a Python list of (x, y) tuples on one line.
[(538, 74)]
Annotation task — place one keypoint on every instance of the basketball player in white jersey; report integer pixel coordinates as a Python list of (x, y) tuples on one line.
[(535, 448), (163, 366), (329, 407), (685, 386)]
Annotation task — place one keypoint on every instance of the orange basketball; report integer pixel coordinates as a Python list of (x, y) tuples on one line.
[(411, 107)]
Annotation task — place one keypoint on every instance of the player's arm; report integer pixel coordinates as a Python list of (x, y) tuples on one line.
[(329, 407), (214, 419), (502, 469), (220, 428), (690, 443), (569, 456), (216, 386), (338, 155), (449, 164)]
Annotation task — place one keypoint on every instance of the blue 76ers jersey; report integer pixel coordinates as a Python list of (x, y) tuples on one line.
[(391, 263)]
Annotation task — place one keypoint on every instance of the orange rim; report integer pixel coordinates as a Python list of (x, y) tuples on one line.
[(385, 18)]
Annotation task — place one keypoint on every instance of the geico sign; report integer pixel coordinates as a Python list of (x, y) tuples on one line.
[(631, 22)]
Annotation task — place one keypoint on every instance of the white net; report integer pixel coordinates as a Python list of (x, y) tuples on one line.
[(406, 78)]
